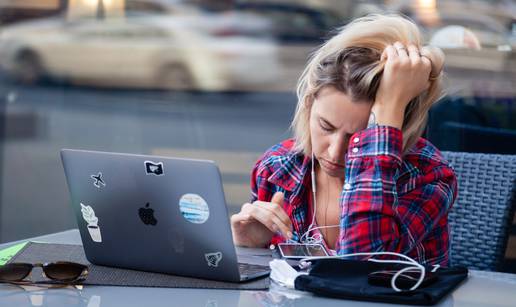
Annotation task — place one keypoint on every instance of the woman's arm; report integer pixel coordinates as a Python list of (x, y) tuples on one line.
[(374, 216), (263, 220), (406, 74)]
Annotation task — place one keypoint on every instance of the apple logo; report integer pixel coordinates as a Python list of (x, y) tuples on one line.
[(147, 215)]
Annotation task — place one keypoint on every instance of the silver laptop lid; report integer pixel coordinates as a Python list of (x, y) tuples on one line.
[(151, 213)]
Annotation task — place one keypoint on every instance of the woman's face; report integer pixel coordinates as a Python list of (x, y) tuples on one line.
[(334, 119)]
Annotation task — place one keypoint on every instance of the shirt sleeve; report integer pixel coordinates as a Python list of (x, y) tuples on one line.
[(260, 187), (374, 216)]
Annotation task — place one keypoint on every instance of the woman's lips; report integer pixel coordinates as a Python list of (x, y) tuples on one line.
[(331, 165)]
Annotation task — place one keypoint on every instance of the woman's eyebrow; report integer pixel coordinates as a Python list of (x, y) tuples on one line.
[(326, 122), (331, 126)]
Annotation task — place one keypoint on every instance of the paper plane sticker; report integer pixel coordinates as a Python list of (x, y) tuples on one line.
[(154, 168)]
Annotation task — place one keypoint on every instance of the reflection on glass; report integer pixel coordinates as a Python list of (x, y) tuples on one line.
[(209, 79), (146, 51), (94, 8), (455, 37)]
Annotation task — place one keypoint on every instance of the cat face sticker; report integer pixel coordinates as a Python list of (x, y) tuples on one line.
[(213, 259)]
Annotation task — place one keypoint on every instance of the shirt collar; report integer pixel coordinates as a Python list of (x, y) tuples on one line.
[(290, 172)]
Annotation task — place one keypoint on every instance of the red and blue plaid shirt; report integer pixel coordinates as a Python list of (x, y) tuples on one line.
[(388, 202)]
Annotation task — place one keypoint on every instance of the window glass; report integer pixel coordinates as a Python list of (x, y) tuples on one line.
[(210, 80)]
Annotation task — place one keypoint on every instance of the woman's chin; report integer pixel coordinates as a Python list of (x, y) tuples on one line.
[(337, 173)]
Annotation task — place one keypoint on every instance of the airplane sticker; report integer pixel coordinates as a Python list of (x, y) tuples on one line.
[(98, 180)]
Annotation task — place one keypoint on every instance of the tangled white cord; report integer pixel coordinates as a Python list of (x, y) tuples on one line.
[(317, 238)]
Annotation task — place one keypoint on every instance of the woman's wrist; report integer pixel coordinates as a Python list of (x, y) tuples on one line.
[(388, 115)]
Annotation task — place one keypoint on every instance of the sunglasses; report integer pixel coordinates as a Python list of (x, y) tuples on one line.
[(61, 271)]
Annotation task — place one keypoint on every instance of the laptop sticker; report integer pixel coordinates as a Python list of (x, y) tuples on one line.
[(213, 259), (194, 208), (212, 303), (89, 216), (36, 299), (98, 181), (154, 168), (94, 301), (147, 215)]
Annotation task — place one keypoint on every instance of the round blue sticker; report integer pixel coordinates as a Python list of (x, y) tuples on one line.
[(194, 208)]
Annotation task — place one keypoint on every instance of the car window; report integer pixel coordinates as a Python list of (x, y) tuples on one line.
[(120, 31), (290, 25), (140, 7)]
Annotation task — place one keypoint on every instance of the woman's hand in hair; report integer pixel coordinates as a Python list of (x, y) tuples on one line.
[(406, 75), (256, 223)]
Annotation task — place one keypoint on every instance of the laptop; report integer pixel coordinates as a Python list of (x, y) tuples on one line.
[(157, 214)]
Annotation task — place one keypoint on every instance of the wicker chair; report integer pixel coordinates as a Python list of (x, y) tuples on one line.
[(482, 215)]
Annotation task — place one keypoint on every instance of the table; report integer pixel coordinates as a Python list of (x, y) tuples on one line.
[(481, 289)]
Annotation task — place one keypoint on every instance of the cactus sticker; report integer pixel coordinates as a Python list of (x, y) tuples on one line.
[(89, 216)]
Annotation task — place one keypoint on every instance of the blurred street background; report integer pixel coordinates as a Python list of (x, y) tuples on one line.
[(212, 80)]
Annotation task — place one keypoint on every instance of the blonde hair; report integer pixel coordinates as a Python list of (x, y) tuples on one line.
[(351, 62)]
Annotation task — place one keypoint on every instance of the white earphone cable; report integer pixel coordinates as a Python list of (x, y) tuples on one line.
[(315, 238)]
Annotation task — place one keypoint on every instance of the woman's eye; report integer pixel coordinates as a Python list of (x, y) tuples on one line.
[(325, 128)]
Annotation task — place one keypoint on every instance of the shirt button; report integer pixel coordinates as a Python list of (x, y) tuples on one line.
[(355, 150), (355, 140), (347, 186)]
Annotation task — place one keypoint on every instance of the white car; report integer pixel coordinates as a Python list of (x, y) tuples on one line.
[(147, 51)]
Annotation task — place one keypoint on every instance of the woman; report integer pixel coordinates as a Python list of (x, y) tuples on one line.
[(357, 176)]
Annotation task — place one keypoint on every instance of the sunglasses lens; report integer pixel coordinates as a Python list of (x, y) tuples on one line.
[(64, 271), (14, 271)]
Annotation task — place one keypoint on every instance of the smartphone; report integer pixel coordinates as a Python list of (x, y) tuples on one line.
[(405, 281), (301, 250)]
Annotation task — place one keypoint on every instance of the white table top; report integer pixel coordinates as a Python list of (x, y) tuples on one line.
[(481, 289)]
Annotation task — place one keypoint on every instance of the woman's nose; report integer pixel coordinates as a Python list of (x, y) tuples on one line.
[(338, 148)]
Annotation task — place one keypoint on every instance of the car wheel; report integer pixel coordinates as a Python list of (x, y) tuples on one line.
[(28, 68), (176, 76)]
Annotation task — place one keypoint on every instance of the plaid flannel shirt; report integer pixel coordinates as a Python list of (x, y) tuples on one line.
[(388, 202)]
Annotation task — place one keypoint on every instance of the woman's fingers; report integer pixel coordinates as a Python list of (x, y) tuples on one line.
[(401, 51), (436, 62), (270, 214), (276, 205), (278, 198), (240, 217), (267, 217), (389, 52), (413, 52), (277, 211)]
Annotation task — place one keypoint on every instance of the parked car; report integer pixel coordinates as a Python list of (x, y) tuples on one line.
[(298, 29), (147, 51)]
